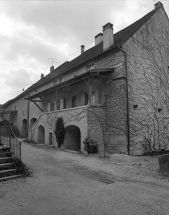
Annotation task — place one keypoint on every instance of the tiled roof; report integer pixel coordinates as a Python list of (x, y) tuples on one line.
[(119, 38)]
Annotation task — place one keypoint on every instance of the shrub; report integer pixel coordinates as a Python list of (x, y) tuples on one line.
[(21, 167), (164, 163), (90, 145), (59, 131)]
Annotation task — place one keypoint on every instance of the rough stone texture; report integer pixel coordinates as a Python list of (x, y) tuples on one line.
[(147, 58), (73, 116), (116, 116), (96, 125)]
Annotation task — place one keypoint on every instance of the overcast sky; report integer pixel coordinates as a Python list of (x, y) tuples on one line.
[(33, 31)]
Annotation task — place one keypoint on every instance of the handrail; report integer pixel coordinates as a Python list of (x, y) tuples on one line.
[(13, 133), (19, 142)]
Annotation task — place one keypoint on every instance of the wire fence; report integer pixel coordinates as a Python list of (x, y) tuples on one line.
[(8, 138)]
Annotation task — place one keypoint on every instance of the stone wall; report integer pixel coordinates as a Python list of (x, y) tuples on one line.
[(147, 58), (116, 117), (96, 125), (73, 116)]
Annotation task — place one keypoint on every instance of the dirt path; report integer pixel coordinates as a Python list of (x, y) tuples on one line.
[(65, 183)]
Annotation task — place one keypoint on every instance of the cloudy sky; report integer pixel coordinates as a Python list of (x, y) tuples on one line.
[(31, 32)]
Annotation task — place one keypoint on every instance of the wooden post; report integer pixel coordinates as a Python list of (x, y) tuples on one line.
[(56, 97)]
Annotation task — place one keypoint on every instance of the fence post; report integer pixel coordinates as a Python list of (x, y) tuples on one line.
[(20, 149), (10, 141)]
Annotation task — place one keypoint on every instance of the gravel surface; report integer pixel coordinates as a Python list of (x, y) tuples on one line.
[(69, 183)]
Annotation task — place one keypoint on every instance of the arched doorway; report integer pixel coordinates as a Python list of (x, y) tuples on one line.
[(33, 120), (24, 128), (41, 134), (72, 138)]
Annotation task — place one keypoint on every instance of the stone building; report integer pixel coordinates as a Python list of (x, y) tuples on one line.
[(110, 92)]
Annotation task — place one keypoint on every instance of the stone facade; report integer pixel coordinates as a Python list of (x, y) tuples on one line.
[(73, 116), (148, 59), (95, 104)]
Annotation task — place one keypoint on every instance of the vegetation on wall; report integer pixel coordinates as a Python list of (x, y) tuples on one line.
[(59, 131), (90, 145)]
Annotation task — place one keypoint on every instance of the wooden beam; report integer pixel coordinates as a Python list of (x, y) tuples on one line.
[(37, 105), (37, 100)]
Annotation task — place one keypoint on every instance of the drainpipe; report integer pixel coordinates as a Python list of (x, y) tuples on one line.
[(27, 127), (127, 99)]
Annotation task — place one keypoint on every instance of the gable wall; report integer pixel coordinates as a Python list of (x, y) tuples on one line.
[(148, 60)]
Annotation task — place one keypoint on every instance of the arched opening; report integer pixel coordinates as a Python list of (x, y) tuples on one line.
[(41, 134), (24, 128), (72, 138), (33, 120)]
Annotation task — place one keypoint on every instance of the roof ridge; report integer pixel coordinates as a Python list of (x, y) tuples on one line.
[(120, 37)]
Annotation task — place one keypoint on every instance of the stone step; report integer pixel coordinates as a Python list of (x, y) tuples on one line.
[(8, 172), (6, 166), (5, 160), (10, 177), (5, 154), (4, 148)]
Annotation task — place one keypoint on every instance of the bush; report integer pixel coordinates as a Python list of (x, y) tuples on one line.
[(21, 167), (90, 145), (59, 131), (164, 163)]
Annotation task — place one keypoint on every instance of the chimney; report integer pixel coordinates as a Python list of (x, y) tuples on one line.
[(158, 5), (42, 76), (98, 38), (82, 49), (108, 37), (51, 68)]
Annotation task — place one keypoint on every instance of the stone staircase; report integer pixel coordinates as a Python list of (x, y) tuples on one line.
[(7, 167)]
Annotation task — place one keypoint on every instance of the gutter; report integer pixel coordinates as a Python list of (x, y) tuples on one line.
[(127, 99)]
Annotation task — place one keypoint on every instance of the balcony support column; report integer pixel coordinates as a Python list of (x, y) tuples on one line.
[(56, 99)]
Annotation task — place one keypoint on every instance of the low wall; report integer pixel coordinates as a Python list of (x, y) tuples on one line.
[(73, 116)]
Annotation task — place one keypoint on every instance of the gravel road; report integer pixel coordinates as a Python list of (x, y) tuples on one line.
[(68, 184)]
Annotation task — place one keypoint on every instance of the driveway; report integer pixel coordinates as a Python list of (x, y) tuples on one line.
[(68, 184)]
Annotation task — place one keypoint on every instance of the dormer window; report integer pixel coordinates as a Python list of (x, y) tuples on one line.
[(90, 66), (60, 80)]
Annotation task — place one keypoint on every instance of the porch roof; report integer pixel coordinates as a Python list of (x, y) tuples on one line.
[(90, 73)]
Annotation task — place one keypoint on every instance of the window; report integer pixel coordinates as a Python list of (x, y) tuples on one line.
[(60, 80), (90, 66), (52, 106), (55, 82), (86, 98), (62, 104), (74, 101), (23, 112), (93, 98)]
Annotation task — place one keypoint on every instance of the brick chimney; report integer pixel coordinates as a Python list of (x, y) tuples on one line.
[(158, 5), (42, 76), (108, 37), (82, 49), (51, 68), (98, 38)]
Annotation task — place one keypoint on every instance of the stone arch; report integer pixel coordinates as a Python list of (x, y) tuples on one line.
[(72, 140), (41, 134), (32, 121), (24, 128)]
